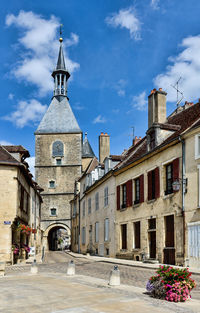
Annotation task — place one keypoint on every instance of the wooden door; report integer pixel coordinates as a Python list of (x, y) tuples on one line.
[(169, 250)]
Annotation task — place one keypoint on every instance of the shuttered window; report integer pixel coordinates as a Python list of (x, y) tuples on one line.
[(97, 201), (106, 229), (153, 184), (97, 232), (124, 196), (129, 193), (83, 236), (139, 189)]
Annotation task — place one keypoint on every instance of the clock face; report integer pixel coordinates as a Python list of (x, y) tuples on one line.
[(57, 148)]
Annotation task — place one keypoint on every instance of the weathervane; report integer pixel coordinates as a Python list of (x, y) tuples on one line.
[(178, 101), (60, 39)]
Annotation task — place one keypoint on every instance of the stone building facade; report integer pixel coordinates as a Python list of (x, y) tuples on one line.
[(58, 151), (17, 189)]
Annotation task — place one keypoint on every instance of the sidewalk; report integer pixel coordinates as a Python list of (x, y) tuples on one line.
[(125, 262), (53, 293)]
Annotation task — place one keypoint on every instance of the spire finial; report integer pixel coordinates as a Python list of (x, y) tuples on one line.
[(60, 39), (85, 134)]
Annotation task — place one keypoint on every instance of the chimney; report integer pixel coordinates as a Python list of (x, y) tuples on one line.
[(136, 140), (104, 146), (156, 107)]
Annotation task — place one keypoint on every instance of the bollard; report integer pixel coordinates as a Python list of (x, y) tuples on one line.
[(71, 268), (114, 279), (34, 268), (2, 268)]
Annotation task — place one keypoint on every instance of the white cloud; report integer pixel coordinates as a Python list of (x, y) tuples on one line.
[(126, 18), (120, 87), (77, 106), (99, 119), (185, 65), (31, 163), (40, 49), (27, 113), (139, 102), (11, 96), (5, 143), (155, 4)]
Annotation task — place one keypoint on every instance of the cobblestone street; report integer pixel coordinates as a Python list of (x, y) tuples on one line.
[(56, 262)]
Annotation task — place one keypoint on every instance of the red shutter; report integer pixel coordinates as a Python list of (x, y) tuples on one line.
[(175, 170), (129, 193), (149, 185), (141, 179), (118, 197), (157, 183)]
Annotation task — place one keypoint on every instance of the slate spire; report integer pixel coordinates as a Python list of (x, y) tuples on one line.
[(59, 118), (60, 74)]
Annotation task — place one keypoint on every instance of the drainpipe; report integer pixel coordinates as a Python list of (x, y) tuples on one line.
[(79, 221), (183, 182)]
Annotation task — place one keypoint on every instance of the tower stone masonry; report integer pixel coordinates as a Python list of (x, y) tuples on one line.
[(58, 154)]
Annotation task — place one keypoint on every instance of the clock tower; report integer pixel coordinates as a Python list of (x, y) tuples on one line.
[(58, 157)]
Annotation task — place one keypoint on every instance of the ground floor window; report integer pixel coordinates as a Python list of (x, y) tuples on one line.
[(124, 236), (106, 229), (194, 240), (136, 226), (83, 235), (97, 232)]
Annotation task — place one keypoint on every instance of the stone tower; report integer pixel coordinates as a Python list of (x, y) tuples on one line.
[(58, 148)]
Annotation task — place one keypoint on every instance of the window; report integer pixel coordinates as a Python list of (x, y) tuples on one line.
[(83, 208), (137, 191), (106, 229), (57, 148), (58, 161), (106, 196), (97, 201), (124, 196), (152, 223), (52, 184), (197, 146), (53, 212), (136, 235), (169, 179), (97, 232), (83, 236), (153, 184), (124, 236), (89, 206)]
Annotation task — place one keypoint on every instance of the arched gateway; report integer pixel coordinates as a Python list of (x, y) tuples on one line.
[(56, 236)]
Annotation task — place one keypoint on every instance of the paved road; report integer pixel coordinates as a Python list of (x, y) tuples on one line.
[(56, 262)]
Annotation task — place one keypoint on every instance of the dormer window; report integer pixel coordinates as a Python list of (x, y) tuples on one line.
[(51, 184), (57, 149)]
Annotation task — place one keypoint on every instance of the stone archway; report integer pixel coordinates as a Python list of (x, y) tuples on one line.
[(50, 236)]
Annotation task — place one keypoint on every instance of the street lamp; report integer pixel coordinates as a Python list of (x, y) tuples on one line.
[(177, 184)]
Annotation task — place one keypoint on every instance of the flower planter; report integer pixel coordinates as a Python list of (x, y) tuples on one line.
[(171, 284)]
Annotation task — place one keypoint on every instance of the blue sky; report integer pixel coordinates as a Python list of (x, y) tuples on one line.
[(116, 51)]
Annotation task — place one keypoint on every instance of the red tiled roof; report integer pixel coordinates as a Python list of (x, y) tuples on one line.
[(17, 149), (178, 123), (6, 157)]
